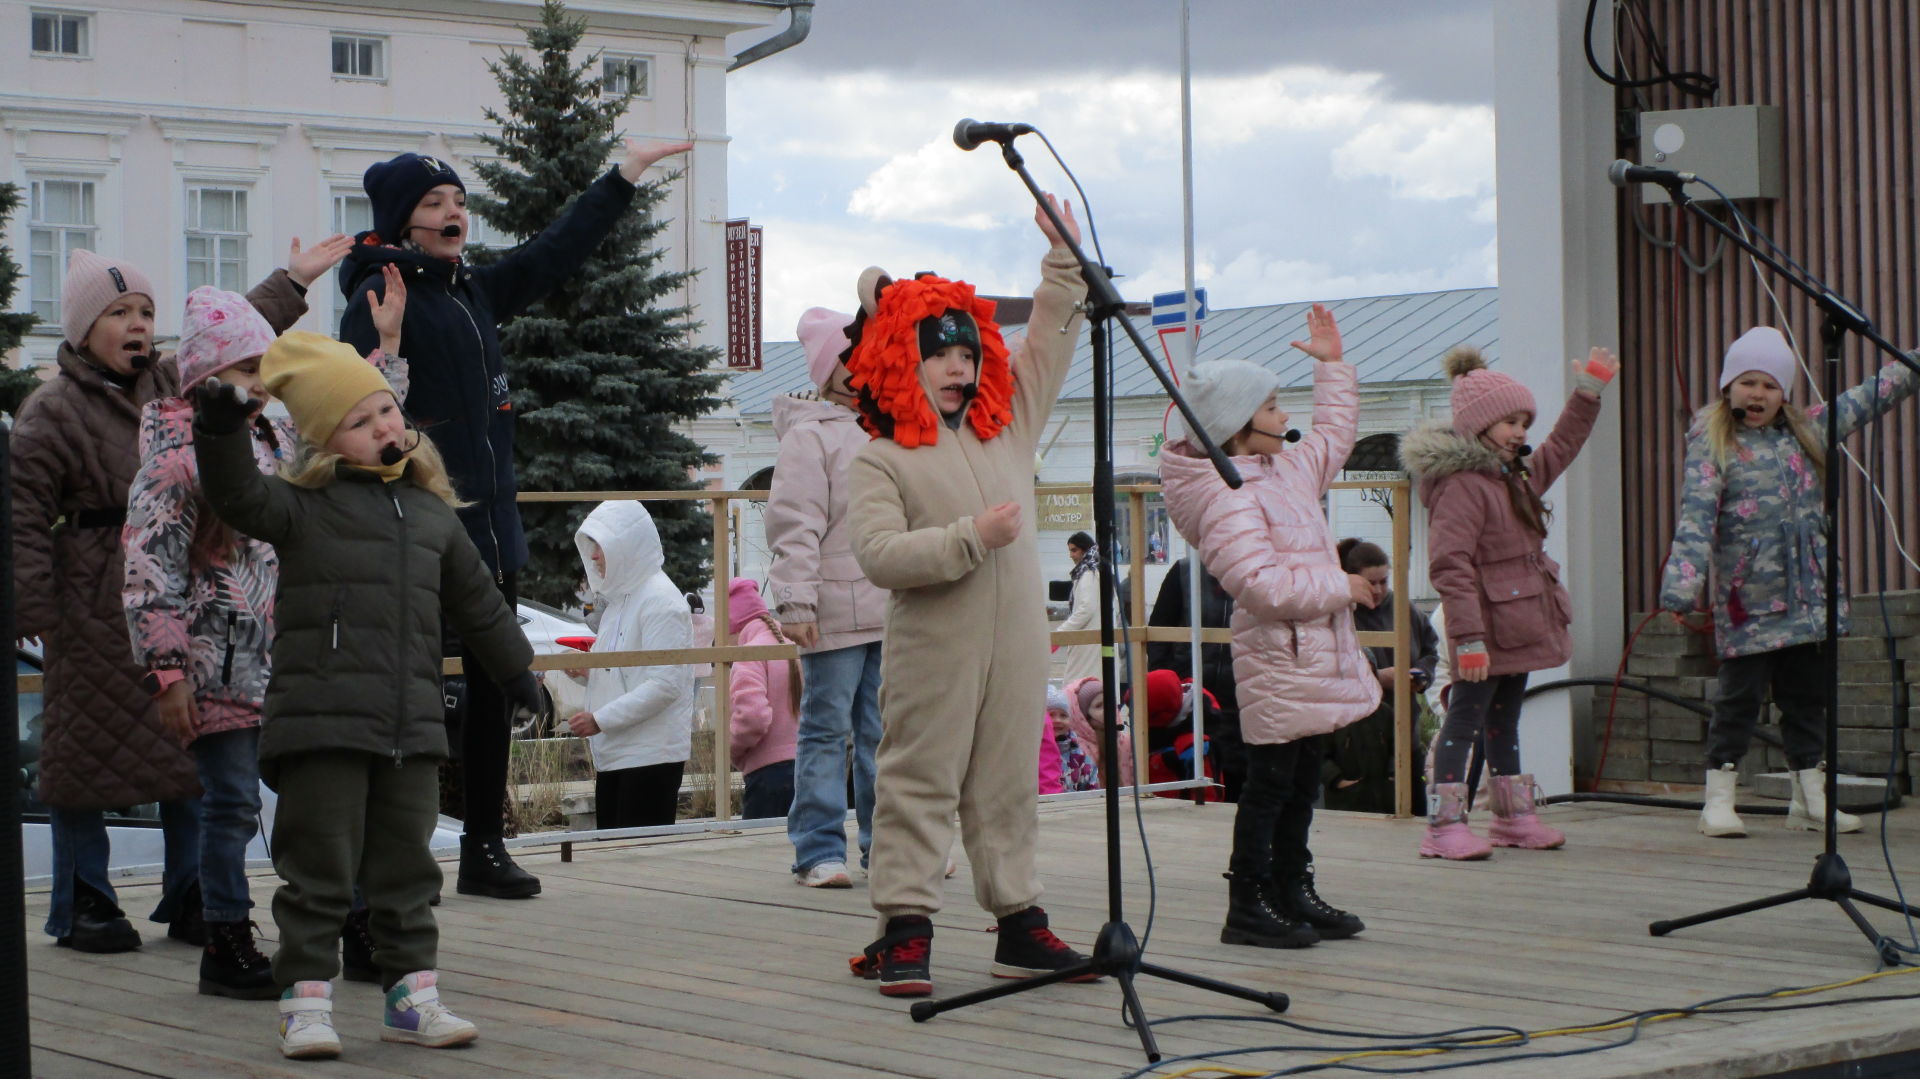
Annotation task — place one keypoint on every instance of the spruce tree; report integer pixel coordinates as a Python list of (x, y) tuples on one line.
[(15, 384), (602, 368)]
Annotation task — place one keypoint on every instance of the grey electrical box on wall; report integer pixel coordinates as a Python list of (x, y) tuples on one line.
[(1738, 147)]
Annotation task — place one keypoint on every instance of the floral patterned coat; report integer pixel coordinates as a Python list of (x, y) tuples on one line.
[(209, 614), (1749, 539)]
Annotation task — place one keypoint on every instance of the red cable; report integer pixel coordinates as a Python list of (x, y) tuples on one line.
[(1619, 673)]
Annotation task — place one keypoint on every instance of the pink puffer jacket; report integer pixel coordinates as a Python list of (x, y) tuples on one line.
[(1296, 661), (814, 577)]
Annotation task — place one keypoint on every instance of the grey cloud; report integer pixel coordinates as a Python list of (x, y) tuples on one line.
[(1431, 50)]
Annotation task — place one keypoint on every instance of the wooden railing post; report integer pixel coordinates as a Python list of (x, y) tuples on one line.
[(1135, 629), (722, 669)]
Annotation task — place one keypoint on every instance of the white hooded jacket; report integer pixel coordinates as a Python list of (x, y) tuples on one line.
[(645, 713)]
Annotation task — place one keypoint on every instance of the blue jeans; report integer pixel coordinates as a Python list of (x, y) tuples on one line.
[(839, 703), (81, 851), (769, 791), (229, 763)]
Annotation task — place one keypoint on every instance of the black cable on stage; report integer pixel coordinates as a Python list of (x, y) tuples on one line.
[(1693, 83)]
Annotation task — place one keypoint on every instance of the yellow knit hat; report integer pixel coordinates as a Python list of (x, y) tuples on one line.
[(320, 379)]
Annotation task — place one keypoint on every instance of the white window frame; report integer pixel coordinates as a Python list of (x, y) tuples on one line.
[(380, 42), (336, 301), (193, 229), (58, 233), (60, 15), (645, 61)]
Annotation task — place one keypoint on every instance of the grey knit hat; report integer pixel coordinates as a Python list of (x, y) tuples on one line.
[(1224, 395)]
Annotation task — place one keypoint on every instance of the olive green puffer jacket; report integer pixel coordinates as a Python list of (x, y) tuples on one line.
[(366, 569)]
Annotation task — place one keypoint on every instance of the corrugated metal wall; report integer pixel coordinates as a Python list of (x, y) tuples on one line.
[(1844, 73)]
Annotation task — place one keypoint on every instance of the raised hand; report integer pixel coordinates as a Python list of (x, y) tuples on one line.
[(643, 154), (391, 312), (999, 525), (306, 266), (1323, 336), (1065, 209), (1598, 369), (221, 408)]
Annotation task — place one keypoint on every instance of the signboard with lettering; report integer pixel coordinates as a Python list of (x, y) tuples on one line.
[(743, 296), (1064, 511)]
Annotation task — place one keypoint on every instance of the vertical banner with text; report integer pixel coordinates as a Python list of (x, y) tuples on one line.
[(743, 296)]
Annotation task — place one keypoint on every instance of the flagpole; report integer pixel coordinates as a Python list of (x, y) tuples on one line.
[(1192, 339)]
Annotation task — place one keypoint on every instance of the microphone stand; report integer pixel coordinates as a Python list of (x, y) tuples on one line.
[(1831, 879), (1116, 951)]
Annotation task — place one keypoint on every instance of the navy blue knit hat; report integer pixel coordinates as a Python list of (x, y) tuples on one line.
[(396, 186)]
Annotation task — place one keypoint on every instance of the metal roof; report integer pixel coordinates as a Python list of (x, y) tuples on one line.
[(1389, 338)]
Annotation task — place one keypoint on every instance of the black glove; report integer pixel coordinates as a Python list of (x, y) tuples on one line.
[(221, 408), (523, 691)]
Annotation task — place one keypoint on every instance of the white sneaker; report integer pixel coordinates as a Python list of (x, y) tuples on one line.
[(416, 1016), (825, 875), (306, 1022)]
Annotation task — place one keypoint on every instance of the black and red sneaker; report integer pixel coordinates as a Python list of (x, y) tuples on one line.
[(1027, 948), (901, 959)]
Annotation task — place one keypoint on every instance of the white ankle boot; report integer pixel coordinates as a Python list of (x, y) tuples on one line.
[(1717, 817), (1808, 812)]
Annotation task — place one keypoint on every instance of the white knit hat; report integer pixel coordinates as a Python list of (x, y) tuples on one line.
[(1763, 349), (1224, 395)]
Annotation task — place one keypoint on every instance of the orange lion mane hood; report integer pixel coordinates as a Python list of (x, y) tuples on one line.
[(885, 358)]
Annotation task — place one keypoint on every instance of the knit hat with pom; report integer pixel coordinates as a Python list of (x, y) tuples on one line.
[(823, 337), (220, 330), (1480, 395), (95, 283), (1763, 349)]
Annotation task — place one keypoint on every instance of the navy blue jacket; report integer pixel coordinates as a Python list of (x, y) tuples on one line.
[(458, 391)]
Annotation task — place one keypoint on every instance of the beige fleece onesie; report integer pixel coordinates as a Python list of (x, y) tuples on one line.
[(963, 682)]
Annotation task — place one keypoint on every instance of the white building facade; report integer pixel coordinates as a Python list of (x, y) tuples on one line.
[(197, 138)]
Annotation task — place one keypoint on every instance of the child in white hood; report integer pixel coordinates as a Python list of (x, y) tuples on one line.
[(639, 720)]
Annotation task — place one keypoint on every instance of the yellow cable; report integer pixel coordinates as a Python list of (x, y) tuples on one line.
[(1509, 1039)]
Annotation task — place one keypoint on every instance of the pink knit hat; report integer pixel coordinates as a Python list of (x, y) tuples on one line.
[(220, 330), (1763, 349), (1481, 396), (93, 284), (823, 334), (743, 602)]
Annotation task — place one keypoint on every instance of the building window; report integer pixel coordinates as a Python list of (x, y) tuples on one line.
[(217, 238), (621, 75), (59, 222), (482, 234), (353, 215), (60, 33), (357, 57)]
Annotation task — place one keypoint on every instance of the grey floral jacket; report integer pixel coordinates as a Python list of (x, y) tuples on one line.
[(1751, 533)]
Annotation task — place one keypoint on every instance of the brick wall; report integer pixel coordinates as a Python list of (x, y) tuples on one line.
[(1660, 742)]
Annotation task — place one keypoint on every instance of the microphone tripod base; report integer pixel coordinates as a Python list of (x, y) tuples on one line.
[(1116, 954), (1830, 880)]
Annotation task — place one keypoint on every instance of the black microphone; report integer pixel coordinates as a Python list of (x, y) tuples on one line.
[(970, 133), (140, 361), (1623, 172), (393, 455), (1524, 451), (969, 391), (451, 232), (1292, 433)]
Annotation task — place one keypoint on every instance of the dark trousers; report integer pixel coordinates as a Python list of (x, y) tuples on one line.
[(483, 741), (345, 816), (638, 797), (1490, 708), (769, 791), (1797, 676), (1275, 809)]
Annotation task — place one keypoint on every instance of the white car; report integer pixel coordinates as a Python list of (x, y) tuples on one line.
[(551, 632)]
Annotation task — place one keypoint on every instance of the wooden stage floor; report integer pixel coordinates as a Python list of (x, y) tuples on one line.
[(698, 956)]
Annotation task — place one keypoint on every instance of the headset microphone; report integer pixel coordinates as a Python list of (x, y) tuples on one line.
[(1524, 451), (969, 391), (1292, 434), (451, 232), (140, 361), (393, 455)]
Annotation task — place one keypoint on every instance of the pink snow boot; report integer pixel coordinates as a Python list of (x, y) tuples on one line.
[(1447, 833), (1514, 821)]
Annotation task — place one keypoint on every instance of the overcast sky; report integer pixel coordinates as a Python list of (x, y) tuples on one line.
[(1341, 147)]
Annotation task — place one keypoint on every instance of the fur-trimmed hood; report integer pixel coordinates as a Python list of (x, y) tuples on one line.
[(1432, 451)]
